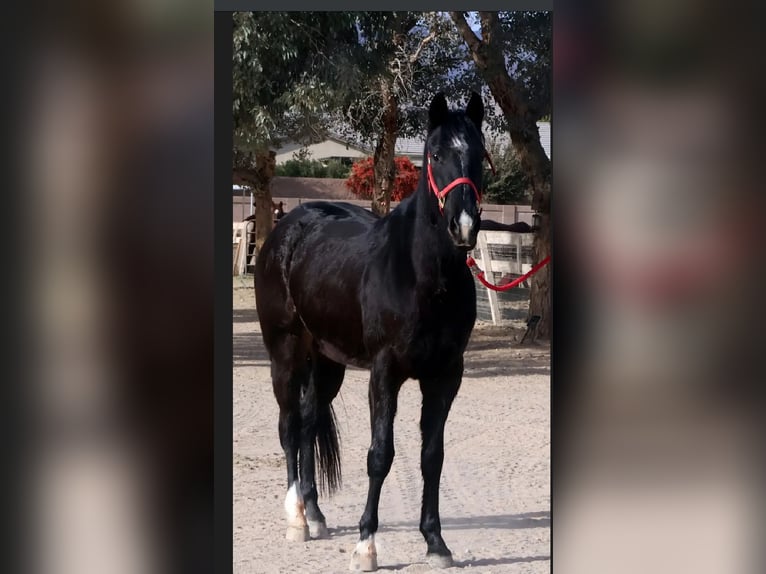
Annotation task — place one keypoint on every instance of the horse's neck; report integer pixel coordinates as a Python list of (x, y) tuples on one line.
[(433, 254)]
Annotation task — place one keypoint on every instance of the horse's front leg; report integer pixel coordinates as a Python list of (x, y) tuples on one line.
[(385, 383), (438, 394)]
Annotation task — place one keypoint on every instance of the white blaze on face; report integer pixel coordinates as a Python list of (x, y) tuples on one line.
[(459, 143), (466, 223)]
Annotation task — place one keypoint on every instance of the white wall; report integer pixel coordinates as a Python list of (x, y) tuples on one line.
[(321, 150)]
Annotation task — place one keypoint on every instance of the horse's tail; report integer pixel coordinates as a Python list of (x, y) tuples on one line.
[(327, 449)]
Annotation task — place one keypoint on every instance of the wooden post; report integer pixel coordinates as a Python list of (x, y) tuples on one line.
[(486, 263), (243, 251), (239, 238), (249, 234), (237, 245)]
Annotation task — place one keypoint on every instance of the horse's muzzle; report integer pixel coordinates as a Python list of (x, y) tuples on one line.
[(463, 230)]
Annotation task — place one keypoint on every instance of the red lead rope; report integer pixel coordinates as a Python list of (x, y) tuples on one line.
[(442, 194), (471, 262)]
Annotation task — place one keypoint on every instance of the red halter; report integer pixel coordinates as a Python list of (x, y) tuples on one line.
[(442, 194)]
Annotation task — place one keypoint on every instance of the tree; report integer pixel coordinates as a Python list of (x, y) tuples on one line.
[(513, 57), (362, 179), (297, 74), (510, 184), (284, 80), (383, 103)]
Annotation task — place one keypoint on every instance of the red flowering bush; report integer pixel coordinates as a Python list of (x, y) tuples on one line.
[(361, 178)]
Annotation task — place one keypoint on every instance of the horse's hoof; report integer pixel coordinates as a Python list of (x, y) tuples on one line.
[(297, 533), (363, 562), (318, 529), (440, 560)]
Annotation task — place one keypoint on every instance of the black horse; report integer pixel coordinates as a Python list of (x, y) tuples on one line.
[(336, 286)]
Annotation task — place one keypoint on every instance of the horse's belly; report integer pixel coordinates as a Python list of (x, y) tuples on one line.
[(341, 356), (336, 330)]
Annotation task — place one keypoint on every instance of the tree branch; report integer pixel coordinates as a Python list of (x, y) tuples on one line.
[(414, 57), (408, 24), (245, 177), (474, 44), (489, 24)]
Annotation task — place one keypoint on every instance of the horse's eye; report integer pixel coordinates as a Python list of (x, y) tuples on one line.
[(435, 156)]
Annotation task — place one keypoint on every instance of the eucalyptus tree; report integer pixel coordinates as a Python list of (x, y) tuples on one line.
[(299, 74), (385, 101), (287, 67), (511, 52)]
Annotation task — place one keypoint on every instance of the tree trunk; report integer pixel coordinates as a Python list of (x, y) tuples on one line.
[(257, 175), (537, 166), (383, 166), (264, 217), (525, 138), (540, 295)]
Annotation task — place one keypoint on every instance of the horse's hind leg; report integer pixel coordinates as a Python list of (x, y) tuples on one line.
[(319, 440), (289, 372)]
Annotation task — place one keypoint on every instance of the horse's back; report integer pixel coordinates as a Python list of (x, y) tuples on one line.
[(308, 274), (324, 213)]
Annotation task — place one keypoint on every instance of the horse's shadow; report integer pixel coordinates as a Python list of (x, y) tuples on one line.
[(248, 350), (500, 561), (540, 519), (244, 315), (479, 562)]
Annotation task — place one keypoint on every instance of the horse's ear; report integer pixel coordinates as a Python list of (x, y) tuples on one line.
[(438, 111), (475, 109)]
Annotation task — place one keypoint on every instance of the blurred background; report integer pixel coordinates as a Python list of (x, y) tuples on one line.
[(113, 339), (658, 231), (658, 357)]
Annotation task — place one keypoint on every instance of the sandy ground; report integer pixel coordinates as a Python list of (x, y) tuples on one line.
[(495, 490)]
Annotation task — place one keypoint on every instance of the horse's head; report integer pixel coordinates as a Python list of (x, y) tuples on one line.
[(454, 155), (278, 209)]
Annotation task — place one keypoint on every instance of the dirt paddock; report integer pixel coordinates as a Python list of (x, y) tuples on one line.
[(495, 488)]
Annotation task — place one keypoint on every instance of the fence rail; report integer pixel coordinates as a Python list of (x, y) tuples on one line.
[(500, 213), (502, 255)]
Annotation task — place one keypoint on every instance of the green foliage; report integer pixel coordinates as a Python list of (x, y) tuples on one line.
[(510, 185), (389, 44), (283, 76), (302, 167), (337, 169), (528, 47), (298, 74), (525, 41)]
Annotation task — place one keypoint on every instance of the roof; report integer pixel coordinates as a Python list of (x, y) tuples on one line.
[(410, 146), (414, 146), (309, 187)]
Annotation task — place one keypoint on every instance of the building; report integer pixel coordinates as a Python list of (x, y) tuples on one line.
[(294, 190), (331, 148), (335, 147)]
